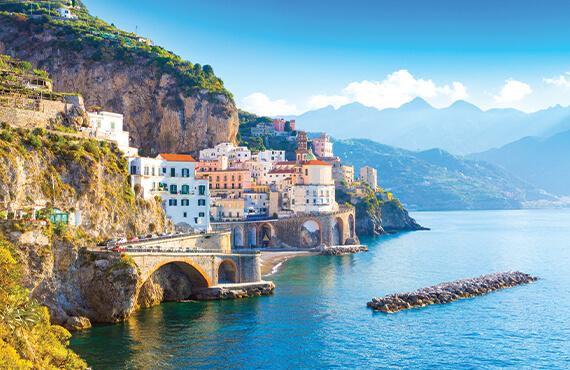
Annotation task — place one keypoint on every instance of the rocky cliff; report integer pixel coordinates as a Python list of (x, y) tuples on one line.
[(41, 172), (376, 215), (169, 105)]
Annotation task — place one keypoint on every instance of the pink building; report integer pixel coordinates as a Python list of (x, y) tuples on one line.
[(219, 164), (279, 124)]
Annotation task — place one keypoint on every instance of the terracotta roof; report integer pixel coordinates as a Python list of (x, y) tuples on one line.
[(284, 163), (316, 162), (177, 157), (281, 171)]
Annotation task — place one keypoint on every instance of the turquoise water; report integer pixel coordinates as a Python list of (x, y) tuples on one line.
[(318, 315)]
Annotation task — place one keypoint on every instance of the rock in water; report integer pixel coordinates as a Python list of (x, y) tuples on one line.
[(450, 291)]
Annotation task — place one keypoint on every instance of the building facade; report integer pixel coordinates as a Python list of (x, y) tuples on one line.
[(185, 199), (109, 126), (232, 152), (323, 146), (369, 175)]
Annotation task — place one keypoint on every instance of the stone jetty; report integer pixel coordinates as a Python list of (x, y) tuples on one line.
[(339, 250), (450, 291)]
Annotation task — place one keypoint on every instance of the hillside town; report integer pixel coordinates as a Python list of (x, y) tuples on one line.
[(229, 183)]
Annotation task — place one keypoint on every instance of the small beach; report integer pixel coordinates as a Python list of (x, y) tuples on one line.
[(271, 262)]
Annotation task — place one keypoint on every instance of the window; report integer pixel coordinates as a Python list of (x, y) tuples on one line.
[(195, 220), (185, 215), (172, 202), (185, 189), (185, 202), (133, 170), (306, 172), (202, 189), (164, 170), (201, 202), (185, 172), (152, 171), (173, 189), (201, 214)]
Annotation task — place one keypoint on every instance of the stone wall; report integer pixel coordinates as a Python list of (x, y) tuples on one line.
[(31, 113), (301, 231)]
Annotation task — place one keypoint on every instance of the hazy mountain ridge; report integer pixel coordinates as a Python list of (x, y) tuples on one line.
[(461, 128), (541, 161), (436, 180)]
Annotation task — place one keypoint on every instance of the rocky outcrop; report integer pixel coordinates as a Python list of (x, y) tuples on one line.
[(339, 250), (160, 112), (234, 291), (376, 215), (394, 217), (449, 292), (169, 283)]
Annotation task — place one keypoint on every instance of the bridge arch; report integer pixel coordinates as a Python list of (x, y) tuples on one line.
[(266, 235), (337, 231), (192, 270), (311, 233), (351, 230), (251, 236), (227, 272), (238, 236)]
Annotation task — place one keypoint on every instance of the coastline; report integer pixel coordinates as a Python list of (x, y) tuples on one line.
[(271, 262)]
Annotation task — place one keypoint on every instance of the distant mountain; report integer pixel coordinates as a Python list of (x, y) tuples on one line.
[(436, 180), (544, 162), (461, 128)]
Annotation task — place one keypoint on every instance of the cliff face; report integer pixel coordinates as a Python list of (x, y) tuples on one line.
[(90, 179), (161, 113), (375, 216)]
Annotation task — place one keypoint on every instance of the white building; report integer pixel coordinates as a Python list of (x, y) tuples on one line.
[(109, 126), (66, 13), (234, 153), (259, 170), (185, 199), (314, 189), (369, 175), (256, 204), (272, 156), (323, 147)]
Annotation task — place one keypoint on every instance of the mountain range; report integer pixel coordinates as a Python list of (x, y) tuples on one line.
[(544, 162), (461, 128), (437, 180)]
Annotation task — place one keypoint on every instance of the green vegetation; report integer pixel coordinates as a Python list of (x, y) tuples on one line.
[(71, 166), (27, 339), (105, 42)]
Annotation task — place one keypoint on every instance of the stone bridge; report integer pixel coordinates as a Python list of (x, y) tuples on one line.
[(300, 231), (198, 266), (204, 269)]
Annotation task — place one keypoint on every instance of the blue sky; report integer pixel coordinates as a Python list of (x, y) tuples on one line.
[(285, 57)]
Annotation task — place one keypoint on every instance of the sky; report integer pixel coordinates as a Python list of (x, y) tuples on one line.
[(286, 57)]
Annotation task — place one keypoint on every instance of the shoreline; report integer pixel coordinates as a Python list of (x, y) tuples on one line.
[(272, 262)]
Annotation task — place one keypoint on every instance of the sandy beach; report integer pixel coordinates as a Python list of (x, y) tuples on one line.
[(271, 262)]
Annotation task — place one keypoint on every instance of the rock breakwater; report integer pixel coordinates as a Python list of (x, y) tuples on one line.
[(339, 250), (450, 291)]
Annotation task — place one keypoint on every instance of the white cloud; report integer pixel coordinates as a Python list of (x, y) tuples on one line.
[(396, 89), (513, 91), (262, 105), (562, 80)]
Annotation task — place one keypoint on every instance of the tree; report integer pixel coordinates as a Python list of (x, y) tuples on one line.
[(288, 126), (208, 70)]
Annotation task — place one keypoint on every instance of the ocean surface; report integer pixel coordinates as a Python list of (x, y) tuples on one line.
[(318, 316)]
